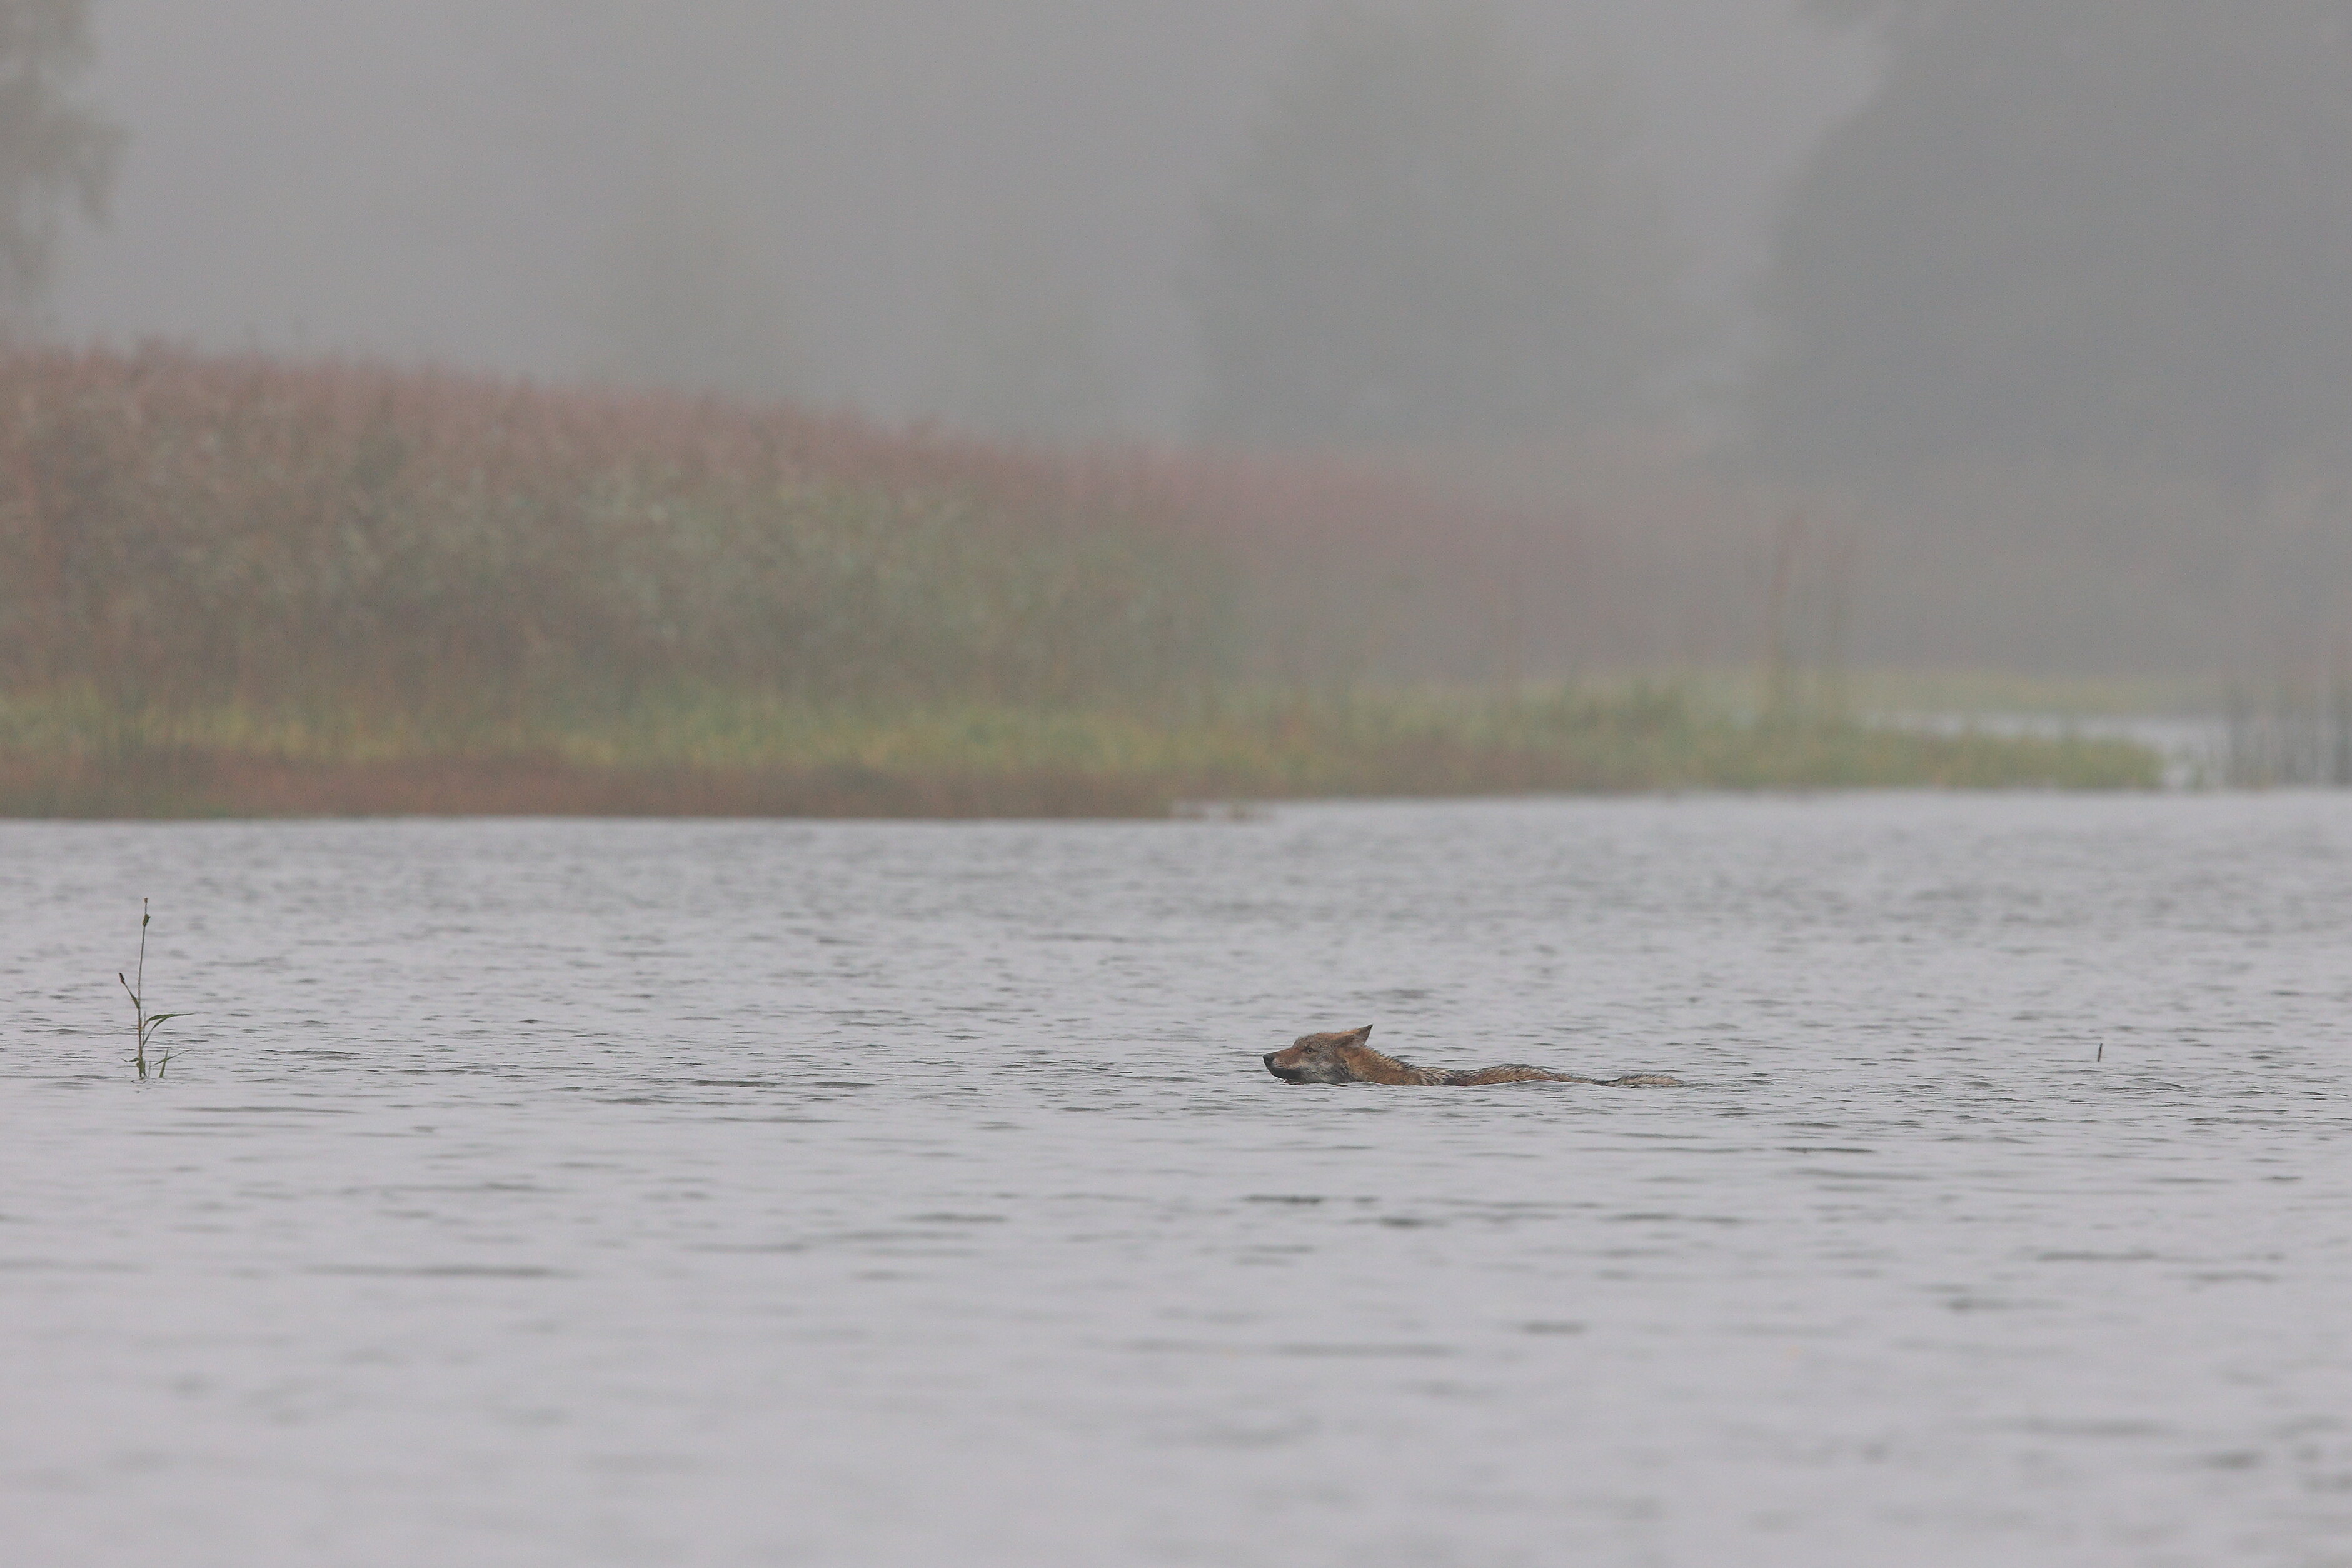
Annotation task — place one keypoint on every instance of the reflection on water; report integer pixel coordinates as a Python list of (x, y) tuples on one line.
[(579, 1193)]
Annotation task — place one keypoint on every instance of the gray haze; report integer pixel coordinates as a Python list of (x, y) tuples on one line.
[(918, 206), (1430, 237), (2108, 231)]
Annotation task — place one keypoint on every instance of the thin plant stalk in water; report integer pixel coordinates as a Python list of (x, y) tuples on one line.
[(147, 1023)]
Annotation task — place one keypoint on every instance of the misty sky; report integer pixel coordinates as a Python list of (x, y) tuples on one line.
[(855, 181)]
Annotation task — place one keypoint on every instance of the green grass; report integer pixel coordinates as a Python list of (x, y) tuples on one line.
[(2008, 694), (713, 751)]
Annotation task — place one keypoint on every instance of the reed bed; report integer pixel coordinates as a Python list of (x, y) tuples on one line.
[(179, 528), (2296, 734), (235, 585)]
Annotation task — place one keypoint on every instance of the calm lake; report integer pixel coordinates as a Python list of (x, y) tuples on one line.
[(654, 1192)]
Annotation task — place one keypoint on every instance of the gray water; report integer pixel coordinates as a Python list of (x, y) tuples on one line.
[(775, 1192)]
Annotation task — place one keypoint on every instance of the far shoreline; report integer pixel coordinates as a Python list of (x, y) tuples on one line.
[(74, 759)]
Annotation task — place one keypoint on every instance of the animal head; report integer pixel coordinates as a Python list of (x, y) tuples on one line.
[(1322, 1058)]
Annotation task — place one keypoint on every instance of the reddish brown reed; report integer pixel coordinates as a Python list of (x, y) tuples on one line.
[(175, 524)]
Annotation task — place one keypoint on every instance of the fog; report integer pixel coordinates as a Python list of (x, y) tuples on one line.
[(2037, 310), (864, 192)]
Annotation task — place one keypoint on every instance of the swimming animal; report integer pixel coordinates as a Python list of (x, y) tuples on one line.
[(1344, 1057)]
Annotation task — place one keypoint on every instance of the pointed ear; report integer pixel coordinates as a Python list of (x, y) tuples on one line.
[(1360, 1036)]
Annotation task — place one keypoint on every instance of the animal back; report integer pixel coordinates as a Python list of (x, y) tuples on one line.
[(1520, 1073), (1516, 1072)]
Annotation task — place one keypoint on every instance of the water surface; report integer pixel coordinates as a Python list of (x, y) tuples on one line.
[(776, 1193)]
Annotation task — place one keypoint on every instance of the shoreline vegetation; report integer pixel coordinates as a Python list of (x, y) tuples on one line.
[(233, 585), (714, 756)]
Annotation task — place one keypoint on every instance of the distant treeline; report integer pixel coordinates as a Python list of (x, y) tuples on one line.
[(2075, 232)]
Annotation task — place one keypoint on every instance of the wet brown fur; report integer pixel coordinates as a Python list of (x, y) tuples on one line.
[(1345, 1058)]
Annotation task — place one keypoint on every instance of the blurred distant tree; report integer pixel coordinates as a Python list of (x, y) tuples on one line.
[(693, 300), (2080, 231), (1426, 238), (53, 150), (1018, 354)]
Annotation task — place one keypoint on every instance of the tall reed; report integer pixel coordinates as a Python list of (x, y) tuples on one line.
[(145, 1024), (175, 526)]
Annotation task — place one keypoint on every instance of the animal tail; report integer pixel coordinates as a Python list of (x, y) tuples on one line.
[(1644, 1081)]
